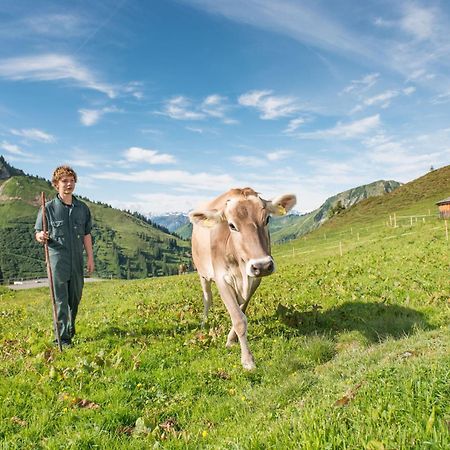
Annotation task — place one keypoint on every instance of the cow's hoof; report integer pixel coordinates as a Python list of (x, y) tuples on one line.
[(250, 365)]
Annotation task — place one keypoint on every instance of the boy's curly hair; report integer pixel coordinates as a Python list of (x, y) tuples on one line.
[(62, 171)]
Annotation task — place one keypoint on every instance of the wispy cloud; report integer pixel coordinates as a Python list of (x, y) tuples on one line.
[(270, 106), (248, 161), (12, 148), (138, 154), (278, 155), (161, 202), (294, 124), (174, 178), (180, 108), (34, 134), (363, 84), (183, 108), (60, 25), (384, 98), (134, 88), (52, 67), (89, 117), (261, 160), (418, 21), (350, 130), (302, 21)]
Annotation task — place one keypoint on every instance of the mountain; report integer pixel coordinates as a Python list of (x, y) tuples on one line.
[(410, 198), (126, 245), (7, 171), (171, 221), (291, 226)]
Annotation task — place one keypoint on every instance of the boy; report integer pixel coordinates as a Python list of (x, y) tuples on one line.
[(69, 231)]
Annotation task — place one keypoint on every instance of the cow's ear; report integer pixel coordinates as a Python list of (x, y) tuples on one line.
[(279, 206), (207, 218)]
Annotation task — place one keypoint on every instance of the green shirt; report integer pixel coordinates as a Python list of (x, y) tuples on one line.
[(67, 226)]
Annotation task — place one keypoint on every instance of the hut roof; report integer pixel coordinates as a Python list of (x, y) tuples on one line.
[(444, 202)]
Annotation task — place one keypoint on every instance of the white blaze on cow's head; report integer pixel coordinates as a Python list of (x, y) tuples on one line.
[(246, 217)]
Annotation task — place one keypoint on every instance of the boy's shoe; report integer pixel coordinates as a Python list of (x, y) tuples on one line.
[(64, 343)]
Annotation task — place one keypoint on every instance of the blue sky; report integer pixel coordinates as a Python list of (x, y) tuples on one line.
[(159, 105)]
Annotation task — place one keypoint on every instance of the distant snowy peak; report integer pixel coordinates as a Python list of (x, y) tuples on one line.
[(171, 221)]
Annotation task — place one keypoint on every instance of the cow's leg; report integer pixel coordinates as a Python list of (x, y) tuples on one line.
[(239, 322), (207, 298), (232, 336)]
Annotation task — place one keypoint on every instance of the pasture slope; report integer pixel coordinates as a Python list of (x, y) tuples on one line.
[(350, 336)]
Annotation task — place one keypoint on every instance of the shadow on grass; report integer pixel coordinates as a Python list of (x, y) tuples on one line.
[(376, 321)]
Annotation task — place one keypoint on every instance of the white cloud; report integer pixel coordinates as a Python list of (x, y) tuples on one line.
[(135, 89), (137, 154), (248, 161), (12, 148), (89, 117), (384, 98), (180, 108), (178, 179), (418, 22), (346, 131), (34, 134), (162, 202), (278, 155), (60, 25), (294, 124), (409, 90), (363, 84), (52, 67), (441, 98), (303, 21), (270, 106), (213, 105)]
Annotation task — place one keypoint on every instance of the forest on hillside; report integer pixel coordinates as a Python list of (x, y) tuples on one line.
[(22, 258)]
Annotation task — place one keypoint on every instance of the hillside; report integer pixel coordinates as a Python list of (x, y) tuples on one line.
[(416, 197), (125, 245), (352, 349), (291, 227)]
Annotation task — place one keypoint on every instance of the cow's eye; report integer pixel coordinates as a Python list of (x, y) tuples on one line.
[(232, 227), (267, 220)]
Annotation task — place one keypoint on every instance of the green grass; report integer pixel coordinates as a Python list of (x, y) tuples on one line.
[(352, 352)]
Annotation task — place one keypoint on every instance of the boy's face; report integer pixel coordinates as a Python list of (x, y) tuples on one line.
[(65, 185)]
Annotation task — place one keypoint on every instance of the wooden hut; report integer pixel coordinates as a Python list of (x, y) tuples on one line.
[(444, 208)]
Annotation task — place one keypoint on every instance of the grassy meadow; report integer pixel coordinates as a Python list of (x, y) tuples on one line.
[(352, 352)]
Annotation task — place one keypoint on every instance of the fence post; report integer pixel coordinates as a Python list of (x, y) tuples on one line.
[(340, 248), (411, 221), (395, 220), (357, 236)]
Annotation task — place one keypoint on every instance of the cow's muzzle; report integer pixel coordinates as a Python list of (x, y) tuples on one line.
[(260, 267)]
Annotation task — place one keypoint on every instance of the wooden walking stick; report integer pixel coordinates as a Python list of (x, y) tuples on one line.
[(49, 274)]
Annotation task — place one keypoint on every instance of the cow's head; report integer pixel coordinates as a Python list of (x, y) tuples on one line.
[(244, 221)]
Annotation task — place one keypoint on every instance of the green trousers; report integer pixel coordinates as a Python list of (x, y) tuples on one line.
[(67, 299)]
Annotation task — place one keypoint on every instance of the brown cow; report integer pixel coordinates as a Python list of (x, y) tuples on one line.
[(231, 246)]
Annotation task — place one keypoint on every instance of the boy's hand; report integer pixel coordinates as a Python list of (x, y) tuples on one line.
[(90, 266), (42, 237)]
